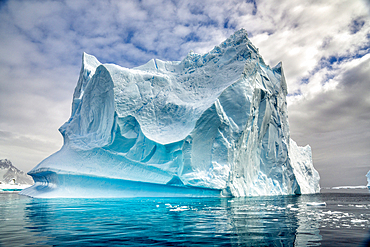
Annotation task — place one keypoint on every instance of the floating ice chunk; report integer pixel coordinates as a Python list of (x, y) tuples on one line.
[(180, 208), (316, 204), (358, 221)]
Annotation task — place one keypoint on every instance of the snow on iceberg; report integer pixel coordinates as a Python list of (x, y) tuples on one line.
[(210, 125)]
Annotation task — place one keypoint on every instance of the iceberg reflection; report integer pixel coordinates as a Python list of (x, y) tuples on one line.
[(306, 220)]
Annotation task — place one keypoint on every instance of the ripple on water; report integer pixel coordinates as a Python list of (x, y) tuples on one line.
[(281, 221)]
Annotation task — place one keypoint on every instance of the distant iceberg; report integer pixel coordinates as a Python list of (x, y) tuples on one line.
[(11, 178), (349, 187), (368, 179), (210, 125), (13, 187)]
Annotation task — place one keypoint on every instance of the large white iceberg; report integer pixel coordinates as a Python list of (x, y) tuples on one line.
[(211, 125)]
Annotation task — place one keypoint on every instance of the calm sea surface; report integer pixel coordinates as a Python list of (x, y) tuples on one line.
[(255, 221)]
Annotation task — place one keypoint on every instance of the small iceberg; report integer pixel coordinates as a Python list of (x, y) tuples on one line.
[(358, 221), (13, 187), (350, 187), (11, 178), (316, 204)]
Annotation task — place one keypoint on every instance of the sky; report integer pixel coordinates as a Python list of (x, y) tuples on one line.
[(324, 46)]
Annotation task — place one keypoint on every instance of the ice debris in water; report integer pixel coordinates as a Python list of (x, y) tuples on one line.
[(210, 125), (316, 204)]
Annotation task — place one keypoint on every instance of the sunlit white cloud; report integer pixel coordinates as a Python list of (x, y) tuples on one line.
[(324, 46)]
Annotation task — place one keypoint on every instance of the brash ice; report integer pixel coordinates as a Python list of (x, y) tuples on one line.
[(211, 125)]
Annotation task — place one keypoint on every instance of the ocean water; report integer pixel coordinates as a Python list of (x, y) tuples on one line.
[(255, 221)]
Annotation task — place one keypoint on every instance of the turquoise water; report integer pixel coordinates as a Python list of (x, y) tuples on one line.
[(256, 221)]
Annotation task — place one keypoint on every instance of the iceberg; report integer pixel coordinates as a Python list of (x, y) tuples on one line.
[(368, 180), (11, 178), (9, 174), (210, 125), (349, 187)]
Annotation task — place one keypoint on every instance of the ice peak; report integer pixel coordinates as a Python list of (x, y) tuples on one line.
[(5, 163), (279, 69), (238, 38), (240, 34), (89, 60)]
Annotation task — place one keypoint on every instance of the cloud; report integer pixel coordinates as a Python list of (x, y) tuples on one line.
[(345, 106), (324, 46), (304, 34), (27, 150)]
